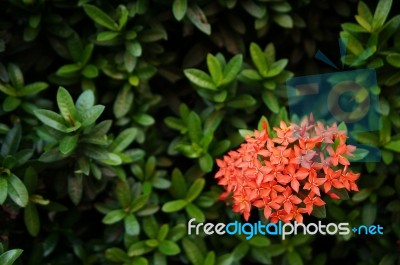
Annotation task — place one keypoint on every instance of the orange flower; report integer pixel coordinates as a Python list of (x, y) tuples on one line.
[(312, 200), (332, 179), (313, 182), (284, 176)]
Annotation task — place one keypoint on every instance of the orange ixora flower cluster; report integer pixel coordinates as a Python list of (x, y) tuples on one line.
[(285, 175)]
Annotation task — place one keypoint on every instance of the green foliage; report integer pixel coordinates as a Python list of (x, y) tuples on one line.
[(113, 114)]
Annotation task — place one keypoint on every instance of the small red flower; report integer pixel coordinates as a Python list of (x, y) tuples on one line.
[(284, 175)]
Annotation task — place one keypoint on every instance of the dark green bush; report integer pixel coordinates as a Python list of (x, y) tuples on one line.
[(113, 113)]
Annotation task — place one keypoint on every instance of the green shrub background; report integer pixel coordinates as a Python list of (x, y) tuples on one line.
[(114, 179)]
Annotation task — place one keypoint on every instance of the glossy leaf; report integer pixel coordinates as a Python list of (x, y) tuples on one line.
[(9, 257), (200, 79), (31, 218), (100, 17), (179, 8), (17, 191), (174, 206)]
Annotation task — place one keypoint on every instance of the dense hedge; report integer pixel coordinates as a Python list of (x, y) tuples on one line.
[(113, 113)]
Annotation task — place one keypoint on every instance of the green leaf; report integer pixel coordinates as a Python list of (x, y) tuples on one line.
[(276, 68), (9, 257), (11, 141), (258, 58), (139, 249), (241, 250), (194, 127), (134, 48), (174, 206), (100, 17), (270, 101), (228, 259), (353, 44), (114, 216), (394, 59), (139, 202), (68, 144), (75, 187), (242, 101), (206, 162), (123, 193), (107, 35), (381, 13), (385, 131), (16, 76), (389, 259), (193, 252), (210, 258), (163, 232), (393, 146), (89, 116), (387, 157), (31, 218), (17, 191), (131, 224), (96, 152), (200, 79), (214, 67), (123, 16), (33, 88), (144, 119), (319, 211), (198, 18), (353, 27), (153, 35), (90, 71), (368, 214), (3, 190), (195, 189), (394, 206), (342, 193), (116, 255), (179, 8), (275, 249), (259, 241), (364, 11), (11, 103), (283, 20), (294, 258), (150, 226), (69, 70), (358, 154), (123, 102), (85, 101), (141, 6), (194, 212), (123, 140), (389, 29), (232, 69), (66, 105), (169, 248), (8, 90), (179, 186), (191, 151), (361, 195), (175, 123), (257, 11), (86, 53)]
